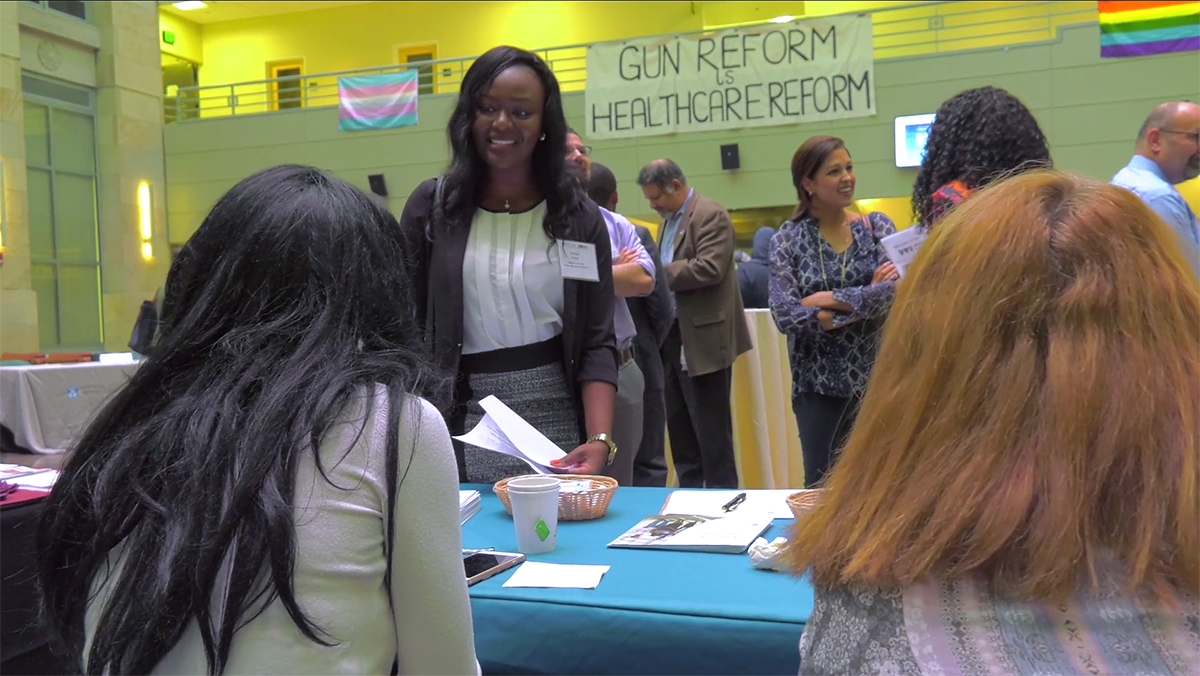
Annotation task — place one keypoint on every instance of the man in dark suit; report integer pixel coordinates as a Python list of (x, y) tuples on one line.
[(652, 315), (709, 331)]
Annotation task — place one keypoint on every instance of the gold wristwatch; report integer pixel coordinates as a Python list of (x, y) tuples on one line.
[(612, 445)]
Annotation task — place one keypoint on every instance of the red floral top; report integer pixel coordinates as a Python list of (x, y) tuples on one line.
[(946, 197)]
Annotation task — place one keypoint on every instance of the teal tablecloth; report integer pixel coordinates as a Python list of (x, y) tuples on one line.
[(655, 612)]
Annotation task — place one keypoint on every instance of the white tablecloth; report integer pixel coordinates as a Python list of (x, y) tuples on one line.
[(47, 406), (766, 442)]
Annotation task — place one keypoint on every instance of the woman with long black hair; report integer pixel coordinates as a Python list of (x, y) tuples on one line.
[(269, 493), (499, 310)]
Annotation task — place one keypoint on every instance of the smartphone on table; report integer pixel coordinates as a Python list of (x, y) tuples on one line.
[(480, 566)]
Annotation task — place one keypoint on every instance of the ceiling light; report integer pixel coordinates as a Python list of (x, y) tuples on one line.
[(197, 4), (779, 19)]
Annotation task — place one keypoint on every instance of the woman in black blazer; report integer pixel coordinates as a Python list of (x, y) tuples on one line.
[(497, 307)]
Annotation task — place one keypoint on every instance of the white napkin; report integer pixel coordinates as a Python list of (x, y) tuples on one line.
[(767, 555), (565, 576)]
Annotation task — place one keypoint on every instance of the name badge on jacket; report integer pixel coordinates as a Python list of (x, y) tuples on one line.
[(577, 260)]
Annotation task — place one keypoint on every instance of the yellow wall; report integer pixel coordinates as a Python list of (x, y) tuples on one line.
[(367, 35), (821, 8), (360, 36), (189, 43), (1191, 193), (738, 12), (899, 209)]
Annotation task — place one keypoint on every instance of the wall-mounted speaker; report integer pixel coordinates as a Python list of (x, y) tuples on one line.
[(729, 157), (378, 185)]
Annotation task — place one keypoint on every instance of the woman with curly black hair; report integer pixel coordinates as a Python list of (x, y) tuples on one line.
[(977, 136), (497, 308)]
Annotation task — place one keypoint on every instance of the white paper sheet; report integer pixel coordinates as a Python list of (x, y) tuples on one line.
[(39, 479), (489, 435), (556, 575), (12, 472), (769, 503), (902, 247), (575, 487), (530, 442)]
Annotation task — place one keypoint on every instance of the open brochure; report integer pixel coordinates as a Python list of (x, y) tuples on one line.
[(694, 533), (902, 247), (503, 431)]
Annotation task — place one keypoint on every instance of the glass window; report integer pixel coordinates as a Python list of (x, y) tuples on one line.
[(60, 138), (79, 306), (41, 214), (76, 8), (75, 219), (74, 142), (37, 135), (45, 285)]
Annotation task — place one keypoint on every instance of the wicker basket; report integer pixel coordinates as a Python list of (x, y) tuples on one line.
[(583, 505), (802, 502)]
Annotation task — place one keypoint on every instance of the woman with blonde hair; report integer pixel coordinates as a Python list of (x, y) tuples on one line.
[(1019, 495)]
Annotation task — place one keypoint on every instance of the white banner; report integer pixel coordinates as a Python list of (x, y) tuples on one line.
[(803, 71)]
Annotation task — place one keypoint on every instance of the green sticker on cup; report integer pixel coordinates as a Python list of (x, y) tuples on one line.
[(542, 530)]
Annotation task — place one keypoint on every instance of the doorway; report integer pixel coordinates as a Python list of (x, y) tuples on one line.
[(177, 74), (421, 57), (287, 88)]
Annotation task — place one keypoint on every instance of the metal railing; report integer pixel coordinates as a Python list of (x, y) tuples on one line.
[(916, 29)]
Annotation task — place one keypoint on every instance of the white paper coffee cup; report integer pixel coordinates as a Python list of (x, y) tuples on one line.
[(534, 502)]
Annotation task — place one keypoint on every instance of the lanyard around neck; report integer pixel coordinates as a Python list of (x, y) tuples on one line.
[(843, 258)]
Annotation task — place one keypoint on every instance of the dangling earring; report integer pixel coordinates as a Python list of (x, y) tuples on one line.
[(542, 137)]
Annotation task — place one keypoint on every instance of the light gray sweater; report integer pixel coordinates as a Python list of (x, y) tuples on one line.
[(340, 561)]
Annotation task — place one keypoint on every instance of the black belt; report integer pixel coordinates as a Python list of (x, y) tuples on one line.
[(511, 359)]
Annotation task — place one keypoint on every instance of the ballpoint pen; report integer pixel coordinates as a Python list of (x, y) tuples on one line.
[(733, 504)]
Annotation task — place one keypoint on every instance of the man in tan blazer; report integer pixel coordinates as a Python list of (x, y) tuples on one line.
[(709, 331)]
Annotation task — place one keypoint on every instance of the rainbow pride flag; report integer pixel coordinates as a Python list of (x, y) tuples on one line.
[(377, 101), (1144, 27)]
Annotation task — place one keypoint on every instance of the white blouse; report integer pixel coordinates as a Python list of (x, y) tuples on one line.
[(512, 283)]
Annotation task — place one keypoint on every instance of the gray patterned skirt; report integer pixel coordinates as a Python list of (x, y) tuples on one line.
[(541, 396)]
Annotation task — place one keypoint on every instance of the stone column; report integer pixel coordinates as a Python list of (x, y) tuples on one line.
[(18, 302), (129, 121)]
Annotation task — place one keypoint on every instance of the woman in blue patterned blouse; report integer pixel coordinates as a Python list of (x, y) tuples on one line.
[(831, 287)]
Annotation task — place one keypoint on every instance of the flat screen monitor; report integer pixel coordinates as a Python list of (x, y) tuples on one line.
[(911, 132)]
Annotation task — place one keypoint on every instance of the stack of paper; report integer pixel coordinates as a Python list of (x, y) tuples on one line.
[(503, 431), (29, 477), (468, 505)]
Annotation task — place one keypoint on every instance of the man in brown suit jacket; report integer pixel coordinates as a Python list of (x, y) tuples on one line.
[(709, 331)]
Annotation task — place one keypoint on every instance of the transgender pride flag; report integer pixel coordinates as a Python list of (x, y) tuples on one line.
[(377, 101)]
